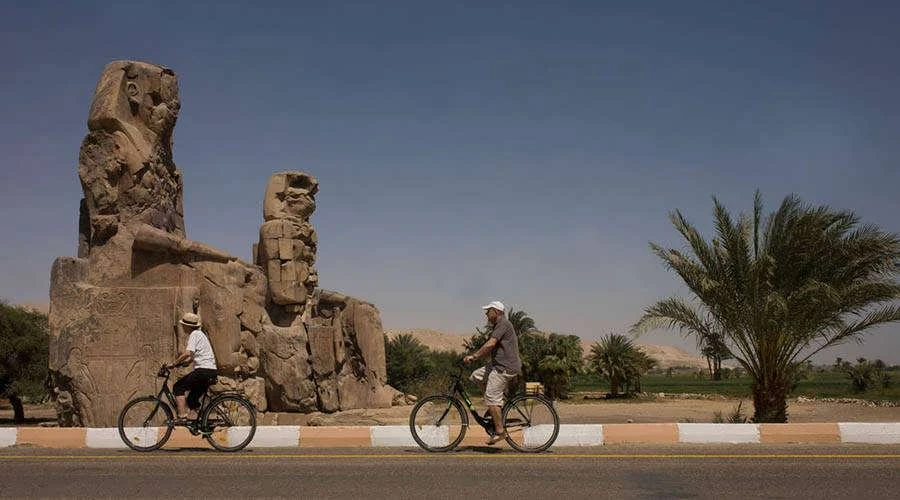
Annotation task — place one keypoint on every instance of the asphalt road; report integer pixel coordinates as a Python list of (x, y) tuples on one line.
[(681, 471)]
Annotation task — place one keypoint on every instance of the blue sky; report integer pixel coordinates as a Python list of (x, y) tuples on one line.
[(469, 151)]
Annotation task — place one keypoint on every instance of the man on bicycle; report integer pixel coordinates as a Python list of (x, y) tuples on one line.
[(198, 381), (505, 365)]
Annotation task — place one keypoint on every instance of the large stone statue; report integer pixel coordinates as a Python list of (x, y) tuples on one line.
[(345, 365), (287, 241), (126, 165), (114, 308)]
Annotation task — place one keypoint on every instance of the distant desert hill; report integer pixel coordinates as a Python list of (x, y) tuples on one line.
[(668, 356), (41, 308)]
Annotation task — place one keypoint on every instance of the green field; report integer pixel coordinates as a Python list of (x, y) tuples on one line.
[(819, 385)]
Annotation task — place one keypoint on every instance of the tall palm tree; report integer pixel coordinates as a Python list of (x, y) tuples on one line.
[(617, 359), (521, 321), (781, 289)]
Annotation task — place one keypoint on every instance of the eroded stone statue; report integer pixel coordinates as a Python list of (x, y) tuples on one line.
[(333, 342), (287, 240), (113, 309), (125, 165)]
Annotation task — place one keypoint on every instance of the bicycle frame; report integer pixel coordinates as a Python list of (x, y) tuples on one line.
[(170, 398), (457, 390)]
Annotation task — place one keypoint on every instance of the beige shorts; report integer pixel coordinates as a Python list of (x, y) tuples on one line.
[(497, 381)]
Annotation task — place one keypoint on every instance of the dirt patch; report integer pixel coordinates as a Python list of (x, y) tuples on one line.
[(642, 411), (34, 414), (583, 412)]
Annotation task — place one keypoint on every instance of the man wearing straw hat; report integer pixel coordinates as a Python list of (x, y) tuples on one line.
[(198, 381)]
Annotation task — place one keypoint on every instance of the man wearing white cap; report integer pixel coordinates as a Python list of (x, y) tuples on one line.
[(198, 381), (505, 365)]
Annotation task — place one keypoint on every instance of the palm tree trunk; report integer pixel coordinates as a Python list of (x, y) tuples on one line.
[(18, 410), (710, 366), (614, 385), (717, 368), (770, 401)]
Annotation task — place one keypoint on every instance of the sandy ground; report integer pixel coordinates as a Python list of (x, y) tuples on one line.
[(605, 412), (594, 412)]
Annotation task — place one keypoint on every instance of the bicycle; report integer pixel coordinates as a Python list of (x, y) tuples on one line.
[(438, 423), (227, 420)]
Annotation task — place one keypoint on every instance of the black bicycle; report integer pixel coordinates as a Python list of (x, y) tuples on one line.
[(227, 421), (439, 423)]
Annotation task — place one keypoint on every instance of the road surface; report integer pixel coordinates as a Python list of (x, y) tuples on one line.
[(681, 471)]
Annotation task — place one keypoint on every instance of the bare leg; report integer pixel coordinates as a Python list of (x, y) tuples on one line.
[(495, 414), (181, 401)]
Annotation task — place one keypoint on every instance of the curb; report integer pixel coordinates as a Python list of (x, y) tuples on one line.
[(292, 436)]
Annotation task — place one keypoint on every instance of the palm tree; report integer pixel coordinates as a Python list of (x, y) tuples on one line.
[(407, 361), (521, 322), (617, 359), (781, 290)]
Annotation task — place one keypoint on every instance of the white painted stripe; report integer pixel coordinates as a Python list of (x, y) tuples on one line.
[(108, 437), (537, 435), (718, 433), (433, 435), (578, 435), (8, 436), (873, 433), (267, 436), (398, 435)]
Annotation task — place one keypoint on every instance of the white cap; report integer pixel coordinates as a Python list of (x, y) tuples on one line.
[(495, 305)]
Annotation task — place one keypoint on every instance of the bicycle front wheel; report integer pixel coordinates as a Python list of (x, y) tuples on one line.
[(229, 423), (438, 423), (531, 423), (145, 423)]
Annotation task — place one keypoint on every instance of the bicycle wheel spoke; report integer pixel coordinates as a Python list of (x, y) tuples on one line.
[(144, 424), (532, 423), (229, 424), (437, 424)]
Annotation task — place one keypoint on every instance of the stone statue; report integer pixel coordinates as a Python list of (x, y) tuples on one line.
[(331, 342), (287, 240), (113, 309), (125, 164)]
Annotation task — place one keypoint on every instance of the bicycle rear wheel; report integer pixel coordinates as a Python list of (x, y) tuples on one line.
[(145, 423), (438, 423), (229, 423), (531, 423)]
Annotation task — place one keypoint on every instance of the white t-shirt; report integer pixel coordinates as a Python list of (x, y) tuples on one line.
[(203, 354)]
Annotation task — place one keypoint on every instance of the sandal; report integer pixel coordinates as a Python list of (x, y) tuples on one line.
[(181, 421), (496, 438)]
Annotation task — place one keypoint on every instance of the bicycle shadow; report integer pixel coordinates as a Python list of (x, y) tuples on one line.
[(488, 450)]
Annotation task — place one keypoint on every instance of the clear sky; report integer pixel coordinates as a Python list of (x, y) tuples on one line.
[(467, 151)]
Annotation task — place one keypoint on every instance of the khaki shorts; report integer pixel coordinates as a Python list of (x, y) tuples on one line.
[(497, 381)]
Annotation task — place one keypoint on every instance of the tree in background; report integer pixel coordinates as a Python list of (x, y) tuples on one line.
[(24, 347), (691, 323), (407, 361), (618, 360), (865, 374), (551, 359), (521, 321), (781, 289), (415, 369)]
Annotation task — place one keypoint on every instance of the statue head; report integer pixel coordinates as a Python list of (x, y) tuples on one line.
[(140, 100), (290, 194)]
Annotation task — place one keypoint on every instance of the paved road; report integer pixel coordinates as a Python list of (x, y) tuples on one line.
[(611, 471)]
